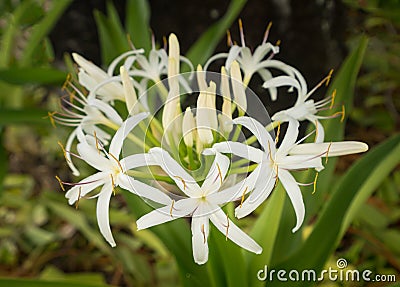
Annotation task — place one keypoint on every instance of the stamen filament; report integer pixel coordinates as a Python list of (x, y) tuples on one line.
[(60, 182)]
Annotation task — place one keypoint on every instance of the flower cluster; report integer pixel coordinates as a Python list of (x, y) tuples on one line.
[(130, 125)]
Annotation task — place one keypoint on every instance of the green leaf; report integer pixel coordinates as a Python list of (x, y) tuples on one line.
[(41, 30), (3, 160), (23, 116), (206, 44), (113, 41), (15, 282), (265, 232), (137, 23), (42, 76), (327, 231)]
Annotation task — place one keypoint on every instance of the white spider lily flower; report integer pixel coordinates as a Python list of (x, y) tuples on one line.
[(90, 76), (129, 92), (88, 115), (304, 108), (202, 204), (277, 162), (206, 115), (112, 173), (188, 127), (225, 119)]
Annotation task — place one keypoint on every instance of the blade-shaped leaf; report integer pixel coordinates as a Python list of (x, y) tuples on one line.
[(137, 23), (24, 116), (43, 76)]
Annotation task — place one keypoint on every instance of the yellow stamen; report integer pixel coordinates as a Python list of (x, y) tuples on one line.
[(328, 78), (227, 227), (118, 162), (183, 181), (243, 194), (315, 182), (97, 141), (164, 41), (204, 233), (327, 152), (316, 130), (172, 207), (278, 43), (60, 182), (130, 43), (269, 152), (64, 151), (278, 132), (333, 99), (266, 33), (219, 173), (113, 184), (67, 82), (343, 114), (50, 116), (79, 197)]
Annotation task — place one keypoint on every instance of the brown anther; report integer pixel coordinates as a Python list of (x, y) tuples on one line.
[(204, 233), (219, 173), (79, 197), (118, 162), (183, 181), (278, 132), (278, 43), (315, 183), (172, 207), (333, 99), (327, 152), (243, 194), (64, 151), (229, 38), (165, 42), (60, 182), (241, 32)]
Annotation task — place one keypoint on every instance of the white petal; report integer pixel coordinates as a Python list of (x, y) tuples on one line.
[(91, 156), (238, 88), (137, 160), (103, 203), (290, 137), (110, 113), (257, 129), (239, 149), (329, 149), (294, 162), (129, 91), (234, 52), (200, 231), (85, 186), (216, 174), (182, 179), (263, 188), (123, 131), (143, 190), (68, 146), (234, 233), (167, 213), (282, 81), (294, 192)]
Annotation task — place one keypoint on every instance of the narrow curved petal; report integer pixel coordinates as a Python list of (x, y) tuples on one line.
[(290, 137), (183, 180), (91, 156), (238, 190), (233, 54), (294, 162), (282, 81), (167, 213), (68, 158), (216, 174), (103, 203), (137, 160), (110, 113), (294, 193), (264, 186), (329, 149), (234, 233), (257, 129), (85, 186), (123, 131), (143, 190), (240, 150), (200, 231), (319, 129)]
